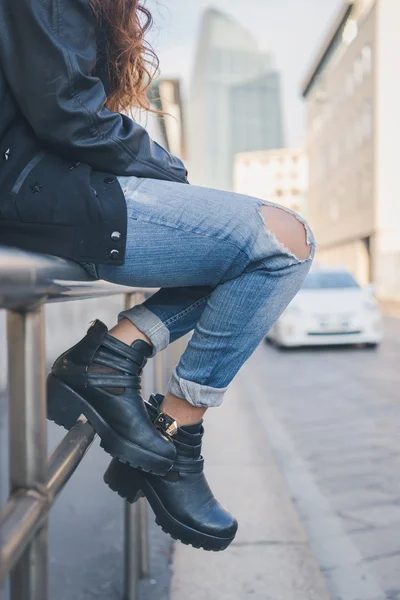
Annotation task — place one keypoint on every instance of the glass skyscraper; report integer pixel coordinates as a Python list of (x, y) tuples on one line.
[(235, 101)]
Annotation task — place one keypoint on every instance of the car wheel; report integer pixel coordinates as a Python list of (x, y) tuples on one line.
[(372, 346), (283, 348), (277, 344)]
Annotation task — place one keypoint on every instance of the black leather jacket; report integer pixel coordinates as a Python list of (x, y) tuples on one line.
[(60, 148)]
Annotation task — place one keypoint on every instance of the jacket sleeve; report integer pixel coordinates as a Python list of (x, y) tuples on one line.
[(48, 56)]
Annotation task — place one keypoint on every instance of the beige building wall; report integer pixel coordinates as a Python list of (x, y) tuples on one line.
[(353, 120), (279, 176), (387, 166), (340, 146)]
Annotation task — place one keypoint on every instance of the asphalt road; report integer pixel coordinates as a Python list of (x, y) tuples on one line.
[(332, 417)]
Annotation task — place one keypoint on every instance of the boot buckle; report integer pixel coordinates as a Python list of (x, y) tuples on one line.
[(91, 324), (166, 424)]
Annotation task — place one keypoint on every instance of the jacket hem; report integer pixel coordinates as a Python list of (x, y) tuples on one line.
[(52, 239)]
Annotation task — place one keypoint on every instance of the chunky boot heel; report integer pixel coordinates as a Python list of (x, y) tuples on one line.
[(100, 378), (129, 488), (61, 408), (182, 500)]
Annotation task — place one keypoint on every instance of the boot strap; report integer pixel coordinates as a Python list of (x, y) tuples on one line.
[(188, 466), (116, 362), (114, 381), (123, 350), (166, 424)]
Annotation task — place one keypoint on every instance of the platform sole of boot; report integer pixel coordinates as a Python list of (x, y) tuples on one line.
[(65, 406), (131, 488)]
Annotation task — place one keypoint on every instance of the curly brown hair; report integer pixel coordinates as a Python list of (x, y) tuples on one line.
[(131, 61)]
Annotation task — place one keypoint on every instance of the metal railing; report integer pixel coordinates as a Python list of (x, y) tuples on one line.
[(27, 282)]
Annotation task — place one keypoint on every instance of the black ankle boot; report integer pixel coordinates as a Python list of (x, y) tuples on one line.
[(182, 500), (100, 378)]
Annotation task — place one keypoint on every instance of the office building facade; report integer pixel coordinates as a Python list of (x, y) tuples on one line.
[(235, 101), (352, 94)]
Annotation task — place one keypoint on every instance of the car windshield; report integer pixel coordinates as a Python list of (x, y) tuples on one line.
[(334, 280)]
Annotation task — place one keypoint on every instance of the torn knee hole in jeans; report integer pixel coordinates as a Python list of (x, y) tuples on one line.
[(287, 230)]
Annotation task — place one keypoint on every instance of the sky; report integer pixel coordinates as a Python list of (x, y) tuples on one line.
[(291, 29)]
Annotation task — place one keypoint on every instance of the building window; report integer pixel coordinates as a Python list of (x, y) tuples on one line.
[(327, 112), (334, 210), (366, 57), (358, 70), (316, 125), (367, 120), (366, 186), (349, 138), (349, 85), (358, 129), (350, 32), (334, 154)]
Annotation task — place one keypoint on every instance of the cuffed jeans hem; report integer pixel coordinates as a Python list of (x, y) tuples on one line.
[(149, 324), (196, 394)]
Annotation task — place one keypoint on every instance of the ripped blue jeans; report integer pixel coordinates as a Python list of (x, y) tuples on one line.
[(221, 274)]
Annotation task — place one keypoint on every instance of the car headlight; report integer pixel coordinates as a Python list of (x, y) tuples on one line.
[(294, 311)]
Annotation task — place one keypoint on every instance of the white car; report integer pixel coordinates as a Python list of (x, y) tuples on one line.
[(331, 308)]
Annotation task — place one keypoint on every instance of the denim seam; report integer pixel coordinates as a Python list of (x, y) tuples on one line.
[(128, 187), (205, 235), (197, 394), (178, 316)]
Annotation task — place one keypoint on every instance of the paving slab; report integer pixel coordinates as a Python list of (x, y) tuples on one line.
[(259, 572), (379, 541), (334, 428), (270, 558)]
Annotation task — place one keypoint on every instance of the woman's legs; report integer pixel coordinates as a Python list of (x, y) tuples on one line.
[(228, 266), (236, 261)]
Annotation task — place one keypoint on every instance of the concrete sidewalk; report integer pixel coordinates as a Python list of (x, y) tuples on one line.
[(270, 558)]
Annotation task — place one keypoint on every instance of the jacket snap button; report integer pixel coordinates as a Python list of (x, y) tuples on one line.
[(114, 254), (109, 180), (7, 154), (115, 236), (36, 188)]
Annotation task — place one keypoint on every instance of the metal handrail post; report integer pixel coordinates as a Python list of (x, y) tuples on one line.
[(148, 388), (159, 373), (131, 553), (28, 444), (136, 545)]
